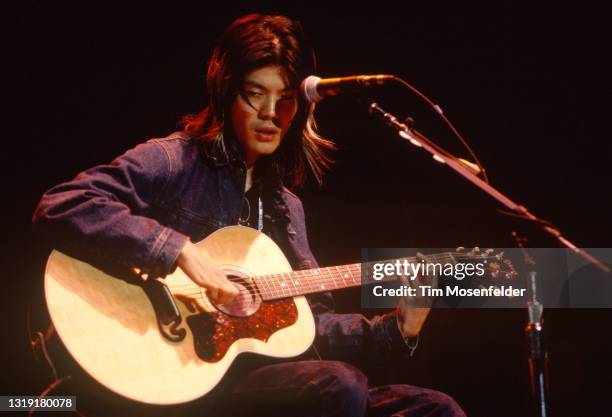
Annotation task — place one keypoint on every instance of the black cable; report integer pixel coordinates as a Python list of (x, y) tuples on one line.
[(439, 111)]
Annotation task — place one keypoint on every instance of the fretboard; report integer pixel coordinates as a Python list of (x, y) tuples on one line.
[(310, 281)]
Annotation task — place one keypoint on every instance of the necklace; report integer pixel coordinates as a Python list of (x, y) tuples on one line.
[(244, 221)]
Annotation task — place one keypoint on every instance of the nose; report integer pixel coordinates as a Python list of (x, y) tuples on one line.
[(268, 109)]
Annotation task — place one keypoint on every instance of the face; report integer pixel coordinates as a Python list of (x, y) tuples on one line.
[(262, 113)]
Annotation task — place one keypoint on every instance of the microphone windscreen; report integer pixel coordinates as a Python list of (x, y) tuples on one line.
[(308, 89)]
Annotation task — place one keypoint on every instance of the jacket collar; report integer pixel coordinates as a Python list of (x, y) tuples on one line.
[(223, 151), (272, 185)]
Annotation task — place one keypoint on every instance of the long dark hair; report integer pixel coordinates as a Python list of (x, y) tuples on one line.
[(249, 43)]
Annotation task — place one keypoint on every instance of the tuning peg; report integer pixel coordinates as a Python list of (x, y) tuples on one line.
[(511, 273)]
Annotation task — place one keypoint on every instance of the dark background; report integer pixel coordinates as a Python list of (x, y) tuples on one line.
[(528, 87)]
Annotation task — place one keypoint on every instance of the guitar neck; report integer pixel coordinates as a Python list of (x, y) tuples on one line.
[(310, 281)]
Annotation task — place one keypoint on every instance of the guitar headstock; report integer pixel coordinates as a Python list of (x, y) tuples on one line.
[(495, 263)]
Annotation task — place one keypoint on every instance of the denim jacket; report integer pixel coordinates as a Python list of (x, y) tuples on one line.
[(139, 211)]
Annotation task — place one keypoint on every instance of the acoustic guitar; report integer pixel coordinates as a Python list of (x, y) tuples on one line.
[(164, 342)]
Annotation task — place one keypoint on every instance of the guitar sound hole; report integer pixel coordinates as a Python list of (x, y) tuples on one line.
[(246, 303)]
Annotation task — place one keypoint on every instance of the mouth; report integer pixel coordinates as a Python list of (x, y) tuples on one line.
[(266, 134)]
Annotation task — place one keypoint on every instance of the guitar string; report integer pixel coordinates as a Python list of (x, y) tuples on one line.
[(320, 273), (312, 278), (244, 293), (314, 283), (269, 289), (306, 271)]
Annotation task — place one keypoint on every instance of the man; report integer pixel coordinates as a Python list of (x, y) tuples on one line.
[(229, 166)]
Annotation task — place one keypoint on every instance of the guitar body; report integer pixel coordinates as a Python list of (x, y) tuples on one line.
[(110, 327)]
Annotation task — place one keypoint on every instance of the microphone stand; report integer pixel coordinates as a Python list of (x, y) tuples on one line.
[(538, 359), (534, 328), (469, 173)]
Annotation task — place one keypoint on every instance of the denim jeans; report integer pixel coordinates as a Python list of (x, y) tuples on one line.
[(324, 388)]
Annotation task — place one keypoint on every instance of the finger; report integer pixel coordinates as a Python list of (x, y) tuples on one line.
[(231, 293), (227, 290), (225, 297), (225, 285), (228, 285), (213, 293), (233, 290)]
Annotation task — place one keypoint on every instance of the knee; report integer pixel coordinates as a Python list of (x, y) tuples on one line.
[(443, 404), (343, 387), (412, 400)]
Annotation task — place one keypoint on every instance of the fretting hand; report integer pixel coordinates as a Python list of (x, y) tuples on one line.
[(413, 310)]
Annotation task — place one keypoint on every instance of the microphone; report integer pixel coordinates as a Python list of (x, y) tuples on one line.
[(314, 89)]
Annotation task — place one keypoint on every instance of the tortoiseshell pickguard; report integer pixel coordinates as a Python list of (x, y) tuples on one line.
[(214, 332)]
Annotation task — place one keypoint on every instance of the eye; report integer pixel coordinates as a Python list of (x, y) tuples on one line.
[(251, 93)]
